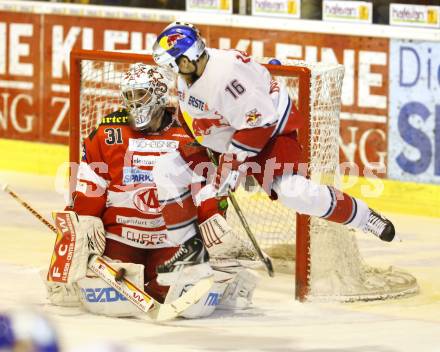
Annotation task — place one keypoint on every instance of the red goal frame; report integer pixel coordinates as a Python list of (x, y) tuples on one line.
[(302, 266)]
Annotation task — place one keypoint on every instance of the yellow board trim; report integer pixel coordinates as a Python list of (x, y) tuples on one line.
[(32, 157), (384, 195), (398, 196)]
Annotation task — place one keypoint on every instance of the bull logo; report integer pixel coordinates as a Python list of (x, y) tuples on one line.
[(167, 42), (204, 127), (253, 118)]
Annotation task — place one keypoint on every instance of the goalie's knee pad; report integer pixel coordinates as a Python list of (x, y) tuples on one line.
[(100, 298), (222, 242)]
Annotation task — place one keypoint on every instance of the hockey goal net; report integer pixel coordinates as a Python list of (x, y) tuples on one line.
[(328, 264)]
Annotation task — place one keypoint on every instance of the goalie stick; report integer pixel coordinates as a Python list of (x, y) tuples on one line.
[(142, 300), (264, 258)]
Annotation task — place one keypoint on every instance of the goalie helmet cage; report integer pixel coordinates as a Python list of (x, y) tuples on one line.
[(328, 265)]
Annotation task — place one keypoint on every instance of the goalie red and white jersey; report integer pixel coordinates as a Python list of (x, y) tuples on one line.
[(236, 106), (115, 182)]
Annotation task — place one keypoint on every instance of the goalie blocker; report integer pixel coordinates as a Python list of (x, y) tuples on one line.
[(78, 238), (70, 283)]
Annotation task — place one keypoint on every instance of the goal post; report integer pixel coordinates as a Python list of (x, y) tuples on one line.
[(328, 265)]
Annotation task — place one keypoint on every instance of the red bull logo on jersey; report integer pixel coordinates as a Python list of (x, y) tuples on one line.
[(167, 42), (253, 118), (205, 126)]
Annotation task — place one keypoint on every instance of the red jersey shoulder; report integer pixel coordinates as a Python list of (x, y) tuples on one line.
[(178, 133), (118, 118), (111, 128)]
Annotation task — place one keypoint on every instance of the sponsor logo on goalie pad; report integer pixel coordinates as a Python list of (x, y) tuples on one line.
[(213, 299), (63, 249), (101, 295)]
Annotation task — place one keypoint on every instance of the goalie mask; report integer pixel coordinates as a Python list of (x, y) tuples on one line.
[(146, 92), (176, 40)]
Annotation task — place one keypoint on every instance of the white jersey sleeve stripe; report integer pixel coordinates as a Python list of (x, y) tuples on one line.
[(283, 121), (177, 199), (244, 147)]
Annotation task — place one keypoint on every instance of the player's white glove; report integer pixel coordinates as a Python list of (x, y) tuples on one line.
[(78, 238), (228, 174)]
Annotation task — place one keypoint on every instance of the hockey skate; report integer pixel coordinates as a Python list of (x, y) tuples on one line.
[(379, 226), (191, 252)]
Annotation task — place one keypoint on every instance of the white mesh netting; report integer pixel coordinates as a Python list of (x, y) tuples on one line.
[(337, 270)]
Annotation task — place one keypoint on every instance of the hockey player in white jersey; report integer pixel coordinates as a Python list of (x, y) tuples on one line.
[(232, 105)]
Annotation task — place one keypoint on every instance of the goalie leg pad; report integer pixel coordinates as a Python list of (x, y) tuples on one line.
[(100, 298), (206, 305), (239, 290), (187, 278), (59, 294)]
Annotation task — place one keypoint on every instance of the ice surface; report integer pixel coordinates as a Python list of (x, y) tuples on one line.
[(277, 323)]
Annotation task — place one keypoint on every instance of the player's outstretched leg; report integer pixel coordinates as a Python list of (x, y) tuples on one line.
[(310, 198)]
